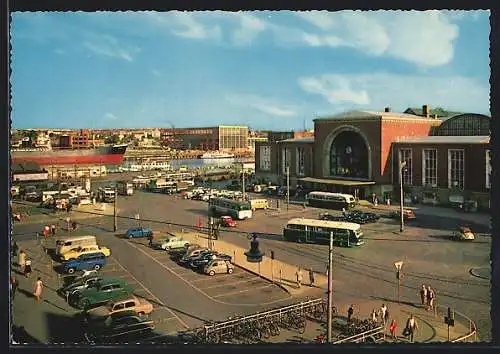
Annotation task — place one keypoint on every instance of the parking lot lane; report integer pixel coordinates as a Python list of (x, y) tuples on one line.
[(152, 295), (233, 293), (241, 283)]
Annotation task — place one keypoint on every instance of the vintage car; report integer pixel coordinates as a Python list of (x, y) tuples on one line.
[(95, 260), (136, 232), (218, 266), (80, 284), (76, 252), (105, 290), (227, 221), (463, 234), (170, 242), (127, 303), (408, 214)]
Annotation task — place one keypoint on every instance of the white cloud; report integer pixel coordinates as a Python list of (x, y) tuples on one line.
[(376, 91), (110, 116), (262, 104), (109, 46), (250, 28), (155, 72), (425, 38), (185, 24)]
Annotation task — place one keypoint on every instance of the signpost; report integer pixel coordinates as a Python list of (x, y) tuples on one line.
[(67, 221), (399, 266), (450, 320)]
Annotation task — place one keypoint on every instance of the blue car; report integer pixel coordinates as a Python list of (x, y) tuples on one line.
[(85, 262), (135, 232)]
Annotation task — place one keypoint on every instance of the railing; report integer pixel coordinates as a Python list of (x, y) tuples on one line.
[(472, 331), (361, 337)]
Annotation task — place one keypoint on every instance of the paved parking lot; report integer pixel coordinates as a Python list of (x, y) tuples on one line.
[(240, 287)]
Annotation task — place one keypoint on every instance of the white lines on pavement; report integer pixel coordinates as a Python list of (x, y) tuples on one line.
[(218, 277), (152, 295), (230, 284), (244, 291)]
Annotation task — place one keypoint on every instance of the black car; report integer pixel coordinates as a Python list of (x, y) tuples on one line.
[(329, 217), (117, 329), (361, 217), (203, 260)]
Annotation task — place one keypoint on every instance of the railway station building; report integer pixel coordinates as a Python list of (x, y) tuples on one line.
[(447, 159)]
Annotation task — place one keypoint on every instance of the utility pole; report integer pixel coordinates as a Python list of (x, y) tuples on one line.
[(402, 165), (210, 230), (243, 178), (287, 187), (115, 224), (330, 289)]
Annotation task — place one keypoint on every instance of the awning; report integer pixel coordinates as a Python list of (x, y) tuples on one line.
[(337, 182)]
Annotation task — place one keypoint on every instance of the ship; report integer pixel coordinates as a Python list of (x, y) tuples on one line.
[(105, 155), (216, 155)]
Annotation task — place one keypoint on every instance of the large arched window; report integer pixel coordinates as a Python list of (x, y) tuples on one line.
[(349, 156)]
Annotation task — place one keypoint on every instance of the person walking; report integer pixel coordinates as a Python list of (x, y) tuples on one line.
[(150, 241), (45, 231), (350, 313), (298, 276), (15, 248), (373, 316), (27, 268), (383, 312), (14, 284), (21, 260), (411, 327), (423, 296), (38, 289), (53, 229), (430, 298), (392, 329), (311, 277)]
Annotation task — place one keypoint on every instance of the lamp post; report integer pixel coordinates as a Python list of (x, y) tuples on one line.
[(330, 289), (115, 216), (243, 179), (399, 266), (402, 166), (287, 187)]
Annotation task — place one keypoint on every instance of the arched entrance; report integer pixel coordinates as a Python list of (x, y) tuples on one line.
[(347, 154)]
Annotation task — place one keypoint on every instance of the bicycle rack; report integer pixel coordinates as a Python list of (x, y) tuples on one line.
[(275, 314)]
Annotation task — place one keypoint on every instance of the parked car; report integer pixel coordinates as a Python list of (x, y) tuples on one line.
[(138, 231), (132, 303), (171, 242), (463, 234), (408, 214), (227, 221), (192, 253), (218, 266), (329, 217), (79, 285), (95, 261), (76, 252), (106, 290), (118, 329), (203, 260)]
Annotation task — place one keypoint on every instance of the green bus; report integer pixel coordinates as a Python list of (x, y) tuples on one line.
[(236, 209), (345, 234)]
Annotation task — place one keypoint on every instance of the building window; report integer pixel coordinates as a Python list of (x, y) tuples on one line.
[(406, 156), (456, 168), (488, 169), (265, 158), (301, 161), (285, 159), (429, 167)]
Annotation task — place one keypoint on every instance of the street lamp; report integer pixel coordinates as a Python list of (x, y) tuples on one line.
[(399, 266), (402, 166)]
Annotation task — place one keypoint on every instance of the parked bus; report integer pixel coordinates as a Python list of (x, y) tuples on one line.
[(236, 209), (125, 187), (331, 200), (345, 234), (259, 204), (106, 194)]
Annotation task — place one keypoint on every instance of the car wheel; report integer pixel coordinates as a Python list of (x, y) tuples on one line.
[(85, 304), (230, 270), (97, 267), (129, 237), (71, 270), (212, 273)]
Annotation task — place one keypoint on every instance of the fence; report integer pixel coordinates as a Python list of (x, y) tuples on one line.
[(361, 337), (472, 335)]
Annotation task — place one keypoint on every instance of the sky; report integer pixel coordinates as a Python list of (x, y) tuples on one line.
[(265, 69)]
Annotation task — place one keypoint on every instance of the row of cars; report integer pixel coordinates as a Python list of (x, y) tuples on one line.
[(110, 312), (362, 217), (205, 194)]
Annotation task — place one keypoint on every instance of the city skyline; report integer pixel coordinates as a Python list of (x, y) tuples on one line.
[(268, 70)]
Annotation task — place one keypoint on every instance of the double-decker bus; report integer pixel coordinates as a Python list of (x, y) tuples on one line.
[(331, 200), (345, 234), (234, 208)]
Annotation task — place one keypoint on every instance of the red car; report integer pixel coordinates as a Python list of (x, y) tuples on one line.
[(227, 221), (408, 214)]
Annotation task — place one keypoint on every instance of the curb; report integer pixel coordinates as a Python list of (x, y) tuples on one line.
[(428, 324), (473, 272)]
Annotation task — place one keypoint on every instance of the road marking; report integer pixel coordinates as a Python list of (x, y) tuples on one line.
[(220, 276), (152, 295), (229, 284), (244, 291)]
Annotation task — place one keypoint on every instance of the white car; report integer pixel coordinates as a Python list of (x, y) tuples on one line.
[(172, 242)]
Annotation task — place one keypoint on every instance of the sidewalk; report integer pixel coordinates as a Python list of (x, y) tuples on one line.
[(431, 326)]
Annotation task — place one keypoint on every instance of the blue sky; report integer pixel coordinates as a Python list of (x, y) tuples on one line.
[(267, 70)]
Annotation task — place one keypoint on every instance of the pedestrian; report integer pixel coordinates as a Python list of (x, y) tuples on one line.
[(311, 277), (37, 290), (344, 212), (15, 248), (388, 201), (53, 229), (350, 312), (430, 298), (376, 201), (392, 329), (21, 260), (27, 268), (373, 316), (382, 313), (298, 276), (150, 241), (386, 317), (373, 198), (46, 231), (14, 284), (423, 296), (411, 327)]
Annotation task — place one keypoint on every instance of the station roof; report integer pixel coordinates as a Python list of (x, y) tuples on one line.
[(371, 114), (443, 139), (308, 139), (337, 182)]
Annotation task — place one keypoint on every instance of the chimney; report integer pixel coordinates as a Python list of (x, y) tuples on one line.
[(425, 110), (387, 109)]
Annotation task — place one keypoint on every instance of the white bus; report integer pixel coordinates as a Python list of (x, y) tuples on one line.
[(345, 234), (331, 200), (236, 209), (125, 187)]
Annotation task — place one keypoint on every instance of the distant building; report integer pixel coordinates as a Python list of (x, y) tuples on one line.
[(222, 137)]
